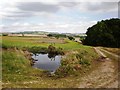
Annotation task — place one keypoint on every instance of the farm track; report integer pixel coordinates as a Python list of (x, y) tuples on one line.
[(0, 85), (115, 55), (105, 76)]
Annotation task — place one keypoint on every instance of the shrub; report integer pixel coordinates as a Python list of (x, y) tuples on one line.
[(51, 49), (54, 50), (38, 50), (49, 35), (84, 62), (4, 34), (71, 38), (64, 71)]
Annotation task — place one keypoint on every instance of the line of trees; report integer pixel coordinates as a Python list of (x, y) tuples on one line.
[(104, 33), (61, 36), (57, 35)]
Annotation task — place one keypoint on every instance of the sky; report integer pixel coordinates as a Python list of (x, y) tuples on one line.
[(68, 16)]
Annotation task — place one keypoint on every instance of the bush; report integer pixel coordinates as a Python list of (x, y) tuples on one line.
[(4, 34), (54, 50), (84, 62), (64, 71), (51, 50), (38, 50), (57, 35), (49, 35), (71, 38), (60, 51)]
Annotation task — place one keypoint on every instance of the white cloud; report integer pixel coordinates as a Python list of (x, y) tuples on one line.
[(16, 24), (80, 27), (15, 10), (41, 24), (26, 24)]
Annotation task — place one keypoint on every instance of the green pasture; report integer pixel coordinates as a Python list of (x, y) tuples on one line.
[(28, 42)]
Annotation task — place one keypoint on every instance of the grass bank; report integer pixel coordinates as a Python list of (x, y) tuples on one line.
[(18, 73), (77, 62)]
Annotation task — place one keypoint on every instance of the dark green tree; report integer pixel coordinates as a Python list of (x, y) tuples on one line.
[(105, 33), (71, 38), (49, 35)]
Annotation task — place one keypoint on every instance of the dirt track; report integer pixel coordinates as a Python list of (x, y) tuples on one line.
[(105, 76)]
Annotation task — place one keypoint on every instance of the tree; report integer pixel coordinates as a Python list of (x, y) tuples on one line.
[(104, 33), (23, 34), (4, 34), (49, 35), (71, 38)]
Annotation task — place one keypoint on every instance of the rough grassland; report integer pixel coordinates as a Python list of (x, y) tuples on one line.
[(25, 42), (17, 72)]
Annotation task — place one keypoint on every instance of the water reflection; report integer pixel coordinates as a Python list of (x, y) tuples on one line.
[(51, 56), (49, 62)]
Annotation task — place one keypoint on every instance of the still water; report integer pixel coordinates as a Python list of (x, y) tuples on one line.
[(43, 61)]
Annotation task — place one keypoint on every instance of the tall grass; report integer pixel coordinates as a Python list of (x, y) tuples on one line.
[(77, 62), (16, 67)]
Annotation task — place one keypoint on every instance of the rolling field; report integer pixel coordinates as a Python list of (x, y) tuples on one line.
[(25, 42), (18, 73)]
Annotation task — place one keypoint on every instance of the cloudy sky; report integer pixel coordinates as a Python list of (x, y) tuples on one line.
[(54, 15)]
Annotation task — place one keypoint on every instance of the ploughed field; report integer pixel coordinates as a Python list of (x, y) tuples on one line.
[(78, 60)]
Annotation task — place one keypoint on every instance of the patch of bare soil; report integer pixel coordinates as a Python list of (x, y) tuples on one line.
[(105, 76), (0, 85)]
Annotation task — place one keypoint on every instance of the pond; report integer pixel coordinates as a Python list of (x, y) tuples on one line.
[(46, 62)]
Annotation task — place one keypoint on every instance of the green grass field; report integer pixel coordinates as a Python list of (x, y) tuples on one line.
[(18, 73), (25, 42)]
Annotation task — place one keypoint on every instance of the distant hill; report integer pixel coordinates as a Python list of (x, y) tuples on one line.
[(32, 32), (46, 33)]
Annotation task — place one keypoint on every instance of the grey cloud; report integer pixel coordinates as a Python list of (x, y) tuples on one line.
[(69, 4), (29, 9), (102, 7), (91, 6), (37, 7), (19, 14), (16, 16)]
